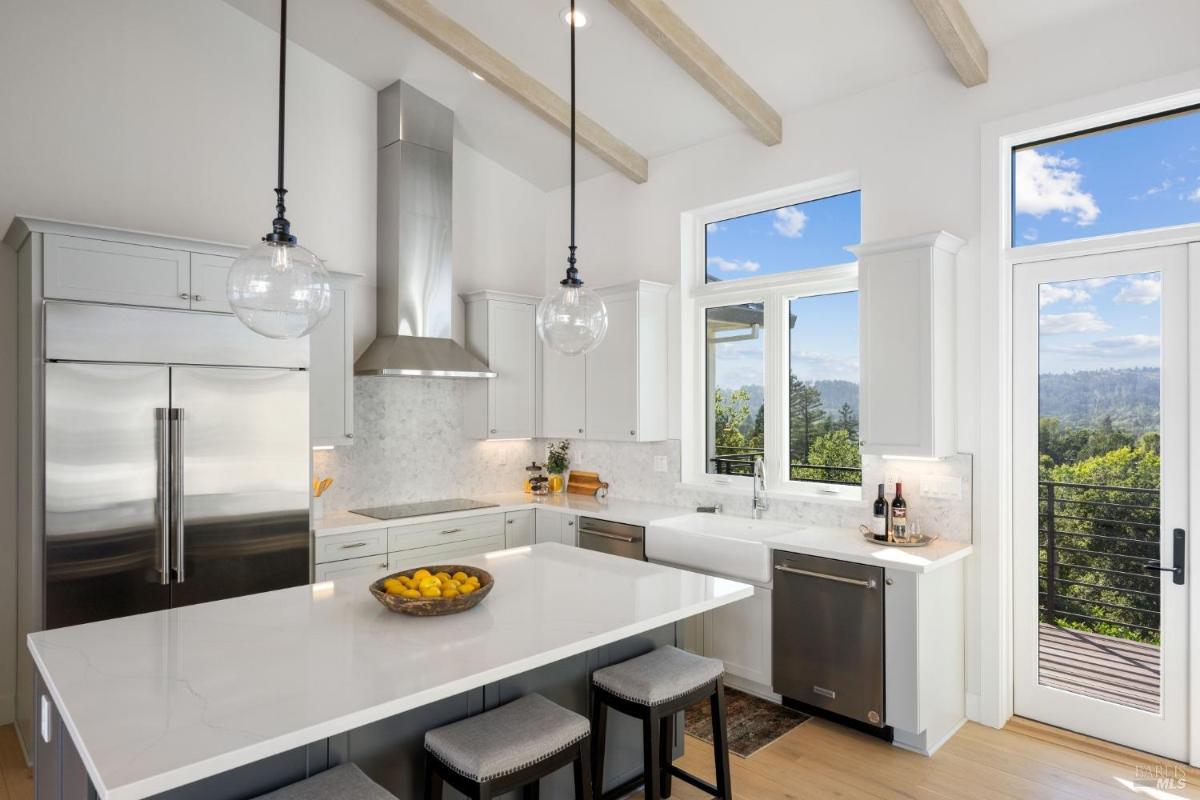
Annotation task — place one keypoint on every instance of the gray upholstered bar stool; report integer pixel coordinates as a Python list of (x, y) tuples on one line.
[(509, 747), (345, 782), (653, 688)]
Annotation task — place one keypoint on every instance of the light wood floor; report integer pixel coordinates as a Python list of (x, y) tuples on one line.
[(16, 779), (1026, 760)]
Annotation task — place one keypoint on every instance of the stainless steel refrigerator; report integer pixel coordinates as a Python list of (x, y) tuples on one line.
[(176, 461)]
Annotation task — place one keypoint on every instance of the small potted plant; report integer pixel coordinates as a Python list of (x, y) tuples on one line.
[(556, 464)]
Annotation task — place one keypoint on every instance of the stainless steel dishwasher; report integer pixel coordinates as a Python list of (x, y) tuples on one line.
[(616, 538), (827, 635)]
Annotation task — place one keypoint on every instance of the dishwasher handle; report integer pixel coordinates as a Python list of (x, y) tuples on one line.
[(866, 584), (606, 535)]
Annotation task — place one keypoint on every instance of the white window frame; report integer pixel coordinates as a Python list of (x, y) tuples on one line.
[(775, 292)]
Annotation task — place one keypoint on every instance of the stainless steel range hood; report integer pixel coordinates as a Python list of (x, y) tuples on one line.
[(415, 292)]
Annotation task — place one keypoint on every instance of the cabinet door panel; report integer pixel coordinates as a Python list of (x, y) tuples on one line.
[(512, 345), (740, 635), (612, 375), (331, 396), (518, 528), (114, 272), (548, 526), (564, 397), (208, 283), (368, 568)]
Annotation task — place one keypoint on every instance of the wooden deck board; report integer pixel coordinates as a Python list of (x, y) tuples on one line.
[(1104, 667)]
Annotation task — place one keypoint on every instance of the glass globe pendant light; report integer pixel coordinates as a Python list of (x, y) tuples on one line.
[(572, 320), (278, 288)]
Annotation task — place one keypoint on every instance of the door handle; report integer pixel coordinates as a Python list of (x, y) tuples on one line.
[(867, 584), (1179, 558), (177, 489), (603, 535), (163, 500), (449, 531)]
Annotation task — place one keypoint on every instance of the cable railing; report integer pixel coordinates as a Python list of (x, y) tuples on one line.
[(1095, 543), (740, 461)]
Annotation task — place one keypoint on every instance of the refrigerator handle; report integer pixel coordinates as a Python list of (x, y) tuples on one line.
[(177, 490), (162, 501)]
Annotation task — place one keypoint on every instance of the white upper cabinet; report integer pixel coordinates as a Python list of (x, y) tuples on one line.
[(115, 272), (907, 303), (564, 395), (331, 369), (209, 274), (500, 330), (626, 375)]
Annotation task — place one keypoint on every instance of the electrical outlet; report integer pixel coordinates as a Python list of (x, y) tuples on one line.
[(660, 463)]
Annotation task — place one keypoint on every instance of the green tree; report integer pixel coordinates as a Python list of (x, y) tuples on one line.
[(805, 414), (848, 420), (834, 449)]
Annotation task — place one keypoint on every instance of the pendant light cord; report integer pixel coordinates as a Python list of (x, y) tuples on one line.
[(572, 278), (280, 227)]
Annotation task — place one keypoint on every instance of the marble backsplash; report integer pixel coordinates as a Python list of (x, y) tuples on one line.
[(409, 446)]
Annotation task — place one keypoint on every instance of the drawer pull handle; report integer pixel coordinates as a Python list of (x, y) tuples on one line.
[(821, 690), (867, 584), (603, 535), (352, 546), (449, 531)]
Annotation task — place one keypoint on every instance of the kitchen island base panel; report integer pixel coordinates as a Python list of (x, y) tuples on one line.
[(390, 751)]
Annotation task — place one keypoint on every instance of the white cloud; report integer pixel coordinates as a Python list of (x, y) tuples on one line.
[(1096, 283), (1074, 322), (1046, 183), (725, 265), (1142, 291), (810, 365), (1194, 195), (1050, 293), (1030, 235), (1113, 349), (790, 222)]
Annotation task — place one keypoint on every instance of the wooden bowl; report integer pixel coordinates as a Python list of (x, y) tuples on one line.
[(434, 606)]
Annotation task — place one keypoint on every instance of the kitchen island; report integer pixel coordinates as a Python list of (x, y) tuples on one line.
[(237, 697)]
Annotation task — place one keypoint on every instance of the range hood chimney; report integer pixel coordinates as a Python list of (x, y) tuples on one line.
[(415, 291)]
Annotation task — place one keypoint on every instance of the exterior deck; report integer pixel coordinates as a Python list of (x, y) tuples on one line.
[(1104, 667)]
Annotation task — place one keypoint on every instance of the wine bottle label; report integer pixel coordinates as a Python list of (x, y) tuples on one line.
[(879, 527)]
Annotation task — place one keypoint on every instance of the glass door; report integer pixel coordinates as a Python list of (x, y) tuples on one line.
[(1100, 486)]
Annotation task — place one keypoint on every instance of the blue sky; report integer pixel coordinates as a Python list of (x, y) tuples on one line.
[(1124, 179), (824, 340), (1100, 323)]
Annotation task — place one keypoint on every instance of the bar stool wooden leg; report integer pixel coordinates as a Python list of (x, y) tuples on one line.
[(599, 728), (668, 746), (533, 790), (433, 780), (720, 740), (652, 747), (583, 771)]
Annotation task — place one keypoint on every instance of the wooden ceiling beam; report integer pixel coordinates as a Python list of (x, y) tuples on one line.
[(947, 20), (677, 39), (435, 27)]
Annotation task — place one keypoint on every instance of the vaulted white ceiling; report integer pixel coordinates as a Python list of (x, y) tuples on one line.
[(795, 53)]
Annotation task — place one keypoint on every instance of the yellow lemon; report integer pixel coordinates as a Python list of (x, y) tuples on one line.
[(460, 576), (442, 576), (393, 585), (451, 584), (467, 588), (432, 591), (473, 580), (449, 592), (420, 574), (410, 593)]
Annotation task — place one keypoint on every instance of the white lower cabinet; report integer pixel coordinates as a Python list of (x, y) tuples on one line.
[(739, 634), (369, 567), (442, 553), (551, 526), (518, 528)]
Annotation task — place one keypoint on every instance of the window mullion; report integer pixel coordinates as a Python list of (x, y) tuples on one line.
[(775, 356)]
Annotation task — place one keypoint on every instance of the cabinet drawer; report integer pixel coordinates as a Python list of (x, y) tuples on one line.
[(115, 272), (450, 531), (368, 567), (350, 545), (442, 553)]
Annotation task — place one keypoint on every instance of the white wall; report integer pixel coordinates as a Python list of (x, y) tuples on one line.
[(915, 145), (160, 116)]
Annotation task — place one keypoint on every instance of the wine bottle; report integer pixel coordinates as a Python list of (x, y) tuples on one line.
[(879, 524), (899, 515)]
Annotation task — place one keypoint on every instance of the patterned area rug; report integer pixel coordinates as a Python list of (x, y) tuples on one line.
[(753, 723)]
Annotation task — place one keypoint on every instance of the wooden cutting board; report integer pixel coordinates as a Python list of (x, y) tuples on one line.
[(579, 482)]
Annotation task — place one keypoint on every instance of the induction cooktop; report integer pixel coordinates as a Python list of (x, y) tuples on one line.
[(402, 510)]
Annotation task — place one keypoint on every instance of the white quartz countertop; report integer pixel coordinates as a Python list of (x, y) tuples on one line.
[(160, 700), (615, 509), (848, 544)]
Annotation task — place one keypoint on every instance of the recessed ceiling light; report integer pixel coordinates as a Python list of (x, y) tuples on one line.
[(476, 76), (581, 19)]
